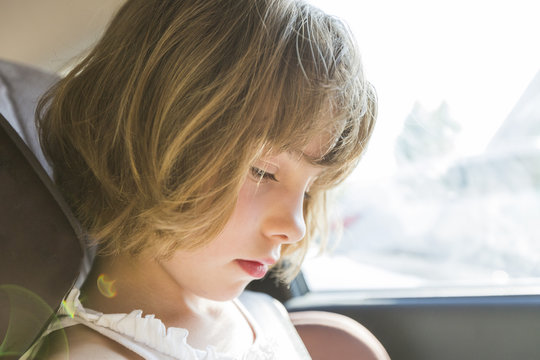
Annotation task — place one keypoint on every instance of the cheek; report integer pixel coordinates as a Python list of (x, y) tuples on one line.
[(246, 219), (249, 205), (240, 222)]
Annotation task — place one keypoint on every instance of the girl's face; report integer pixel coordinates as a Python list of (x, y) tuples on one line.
[(268, 214)]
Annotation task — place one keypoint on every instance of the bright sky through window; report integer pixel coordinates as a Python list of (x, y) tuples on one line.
[(476, 55)]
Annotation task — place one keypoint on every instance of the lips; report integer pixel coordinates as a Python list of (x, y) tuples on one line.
[(254, 269)]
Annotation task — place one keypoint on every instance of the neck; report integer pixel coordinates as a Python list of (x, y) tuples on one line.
[(121, 284), (142, 283)]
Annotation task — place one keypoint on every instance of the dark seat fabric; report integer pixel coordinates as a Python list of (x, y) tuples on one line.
[(41, 248)]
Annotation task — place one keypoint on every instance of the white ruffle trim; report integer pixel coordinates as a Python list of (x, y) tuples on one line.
[(152, 333)]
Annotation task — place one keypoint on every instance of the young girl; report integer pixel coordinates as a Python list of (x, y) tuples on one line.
[(195, 144)]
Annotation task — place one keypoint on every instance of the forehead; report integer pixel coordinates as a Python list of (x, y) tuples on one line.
[(315, 150)]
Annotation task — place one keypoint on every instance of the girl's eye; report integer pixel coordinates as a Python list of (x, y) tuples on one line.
[(260, 174)]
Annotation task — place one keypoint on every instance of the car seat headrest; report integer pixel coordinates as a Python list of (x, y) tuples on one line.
[(41, 246)]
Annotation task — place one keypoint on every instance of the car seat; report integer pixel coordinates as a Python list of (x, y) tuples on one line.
[(41, 249)]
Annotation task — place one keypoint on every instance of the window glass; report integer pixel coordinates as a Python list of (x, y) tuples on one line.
[(448, 194)]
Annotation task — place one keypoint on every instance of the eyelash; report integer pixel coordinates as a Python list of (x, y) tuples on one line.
[(261, 175)]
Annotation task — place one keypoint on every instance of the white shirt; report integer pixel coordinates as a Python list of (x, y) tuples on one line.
[(149, 338)]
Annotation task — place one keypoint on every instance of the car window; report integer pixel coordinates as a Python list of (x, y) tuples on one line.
[(447, 197)]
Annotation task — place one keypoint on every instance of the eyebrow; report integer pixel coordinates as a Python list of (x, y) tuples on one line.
[(311, 160)]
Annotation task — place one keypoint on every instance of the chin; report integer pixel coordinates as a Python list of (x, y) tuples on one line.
[(228, 294)]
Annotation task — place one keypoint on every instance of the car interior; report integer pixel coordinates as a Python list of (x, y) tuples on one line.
[(43, 252)]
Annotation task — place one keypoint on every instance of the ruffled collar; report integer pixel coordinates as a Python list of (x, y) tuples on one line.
[(151, 332)]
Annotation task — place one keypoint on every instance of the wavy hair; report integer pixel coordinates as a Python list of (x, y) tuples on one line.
[(152, 134)]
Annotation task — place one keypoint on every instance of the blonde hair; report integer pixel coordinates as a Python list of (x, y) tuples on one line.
[(152, 134)]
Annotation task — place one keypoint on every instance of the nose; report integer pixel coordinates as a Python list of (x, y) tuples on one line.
[(285, 220)]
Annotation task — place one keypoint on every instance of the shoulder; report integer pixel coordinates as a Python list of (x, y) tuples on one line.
[(81, 342), (275, 325), (258, 303)]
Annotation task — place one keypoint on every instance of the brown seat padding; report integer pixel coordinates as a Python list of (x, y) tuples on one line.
[(41, 248), (330, 336)]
